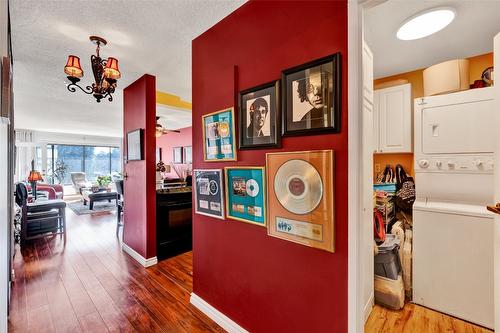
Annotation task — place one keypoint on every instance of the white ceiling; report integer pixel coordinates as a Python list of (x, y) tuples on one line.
[(151, 37), (471, 33), (172, 118)]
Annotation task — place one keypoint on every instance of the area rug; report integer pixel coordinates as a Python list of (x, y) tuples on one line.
[(99, 206)]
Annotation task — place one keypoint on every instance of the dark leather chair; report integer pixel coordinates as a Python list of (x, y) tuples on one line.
[(40, 218), (119, 204)]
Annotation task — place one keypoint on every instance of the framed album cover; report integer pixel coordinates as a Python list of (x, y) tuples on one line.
[(208, 196), (218, 136), (177, 155), (311, 97), (259, 117), (134, 145), (301, 197), (187, 155), (245, 194)]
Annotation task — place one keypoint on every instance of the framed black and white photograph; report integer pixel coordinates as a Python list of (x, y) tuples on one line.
[(177, 158), (158, 155), (259, 117), (311, 97), (208, 193), (134, 145), (187, 155)]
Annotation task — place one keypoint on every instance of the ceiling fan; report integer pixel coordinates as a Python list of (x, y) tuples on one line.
[(160, 130)]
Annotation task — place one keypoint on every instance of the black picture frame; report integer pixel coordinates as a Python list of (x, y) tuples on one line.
[(158, 155), (294, 102), (187, 154), (177, 155), (269, 93), (135, 145)]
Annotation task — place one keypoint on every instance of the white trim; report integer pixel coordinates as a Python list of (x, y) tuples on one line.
[(368, 307), (4, 120), (221, 319), (140, 259), (355, 307)]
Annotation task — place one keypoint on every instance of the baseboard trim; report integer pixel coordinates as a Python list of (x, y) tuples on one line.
[(368, 307), (221, 319), (140, 259)]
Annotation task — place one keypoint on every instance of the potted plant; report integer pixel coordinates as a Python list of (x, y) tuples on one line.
[(103, 181)]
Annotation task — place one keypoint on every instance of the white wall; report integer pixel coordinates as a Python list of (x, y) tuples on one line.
[(4, 186)]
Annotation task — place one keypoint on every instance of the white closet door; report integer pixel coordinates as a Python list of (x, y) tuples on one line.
[(376, 121), (395, 119)]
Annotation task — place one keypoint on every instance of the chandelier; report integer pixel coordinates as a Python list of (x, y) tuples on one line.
[(105, 72)]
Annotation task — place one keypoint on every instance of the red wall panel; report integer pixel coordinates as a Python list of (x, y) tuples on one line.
[(263, 283), (168, 141), (139, 111)]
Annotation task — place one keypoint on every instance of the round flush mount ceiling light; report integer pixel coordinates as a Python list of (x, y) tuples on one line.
[(426, 23)]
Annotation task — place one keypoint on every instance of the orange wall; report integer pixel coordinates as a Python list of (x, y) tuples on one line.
[(476, 67)]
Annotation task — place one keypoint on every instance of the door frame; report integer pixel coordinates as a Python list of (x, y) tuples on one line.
[(355, 310)]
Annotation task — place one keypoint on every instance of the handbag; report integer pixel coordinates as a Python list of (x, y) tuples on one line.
[(405, 190)]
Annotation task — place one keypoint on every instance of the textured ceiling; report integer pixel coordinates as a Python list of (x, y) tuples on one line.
[(151, 37), (471, 33)]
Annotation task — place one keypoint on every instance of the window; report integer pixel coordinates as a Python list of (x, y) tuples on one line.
[(95, 161)]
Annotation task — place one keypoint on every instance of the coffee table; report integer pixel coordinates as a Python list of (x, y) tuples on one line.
[(91, 197)]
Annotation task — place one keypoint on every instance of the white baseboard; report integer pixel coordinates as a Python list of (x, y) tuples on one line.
[(221, 319), (368, 307), (140, 259)]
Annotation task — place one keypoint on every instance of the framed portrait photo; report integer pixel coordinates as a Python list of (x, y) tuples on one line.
[(134, 145), (246, 194), (259, 117), (311, 94), (177, 155), (208, 193), (218, 136)]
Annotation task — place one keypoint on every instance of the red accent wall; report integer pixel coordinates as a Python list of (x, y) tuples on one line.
[(168, 141), (263, 283), (139, 111)]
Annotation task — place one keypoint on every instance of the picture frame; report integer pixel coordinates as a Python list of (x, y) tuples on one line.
[(177, 155), (135, 151), (246, 194), (187, 155), (208, 193), (218, 136), (259, 117), (311, 95), (301, 197), (158, 154)]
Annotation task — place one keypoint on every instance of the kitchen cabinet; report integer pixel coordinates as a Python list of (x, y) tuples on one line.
[(392, 120)]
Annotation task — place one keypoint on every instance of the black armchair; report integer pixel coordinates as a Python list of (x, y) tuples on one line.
[(41, 217)]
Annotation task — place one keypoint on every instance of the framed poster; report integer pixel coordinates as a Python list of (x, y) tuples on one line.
[(311, 94), (246, 194), (158, 154), (134, 145), (218, 136), (208, 196), (301, 197), (259, 117), (177, 155), (187, 155)]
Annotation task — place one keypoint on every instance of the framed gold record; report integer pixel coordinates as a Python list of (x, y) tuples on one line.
[(300, 197)]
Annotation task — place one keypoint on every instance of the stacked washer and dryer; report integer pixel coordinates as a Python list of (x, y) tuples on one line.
[(453, 231)]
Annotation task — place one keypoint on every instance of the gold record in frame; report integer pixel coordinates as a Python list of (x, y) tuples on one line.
[(300, 197), (219, 140)]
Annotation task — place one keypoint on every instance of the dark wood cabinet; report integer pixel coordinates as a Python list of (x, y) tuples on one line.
[(173, 222)]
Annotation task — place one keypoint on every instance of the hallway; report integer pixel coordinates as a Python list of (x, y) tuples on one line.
[(90, 285)]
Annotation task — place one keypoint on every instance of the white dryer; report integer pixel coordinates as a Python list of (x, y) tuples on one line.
[(453, 231)]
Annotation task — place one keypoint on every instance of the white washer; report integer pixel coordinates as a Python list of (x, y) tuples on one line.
[(452, 230)]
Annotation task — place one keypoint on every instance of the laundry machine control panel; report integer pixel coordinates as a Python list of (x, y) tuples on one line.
[(482, 163)]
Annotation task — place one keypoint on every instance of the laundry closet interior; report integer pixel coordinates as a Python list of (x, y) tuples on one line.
[(433, 150)]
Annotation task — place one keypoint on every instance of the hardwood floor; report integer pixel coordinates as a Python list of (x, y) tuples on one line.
[(416, 319), (90, 285)]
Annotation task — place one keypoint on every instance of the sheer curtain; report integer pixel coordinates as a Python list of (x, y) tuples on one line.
[(25, 153)]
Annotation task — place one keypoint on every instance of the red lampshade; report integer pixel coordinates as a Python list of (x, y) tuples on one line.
[(73, 67), (111, 70), (34, 176)]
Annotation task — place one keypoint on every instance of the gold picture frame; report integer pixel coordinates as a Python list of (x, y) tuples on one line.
[(219, 138), (260, 198), (301, 197)]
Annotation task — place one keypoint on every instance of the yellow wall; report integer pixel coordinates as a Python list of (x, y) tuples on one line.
[(476, 66)]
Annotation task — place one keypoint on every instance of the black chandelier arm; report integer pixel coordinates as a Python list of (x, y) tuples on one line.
[(88, 89)]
